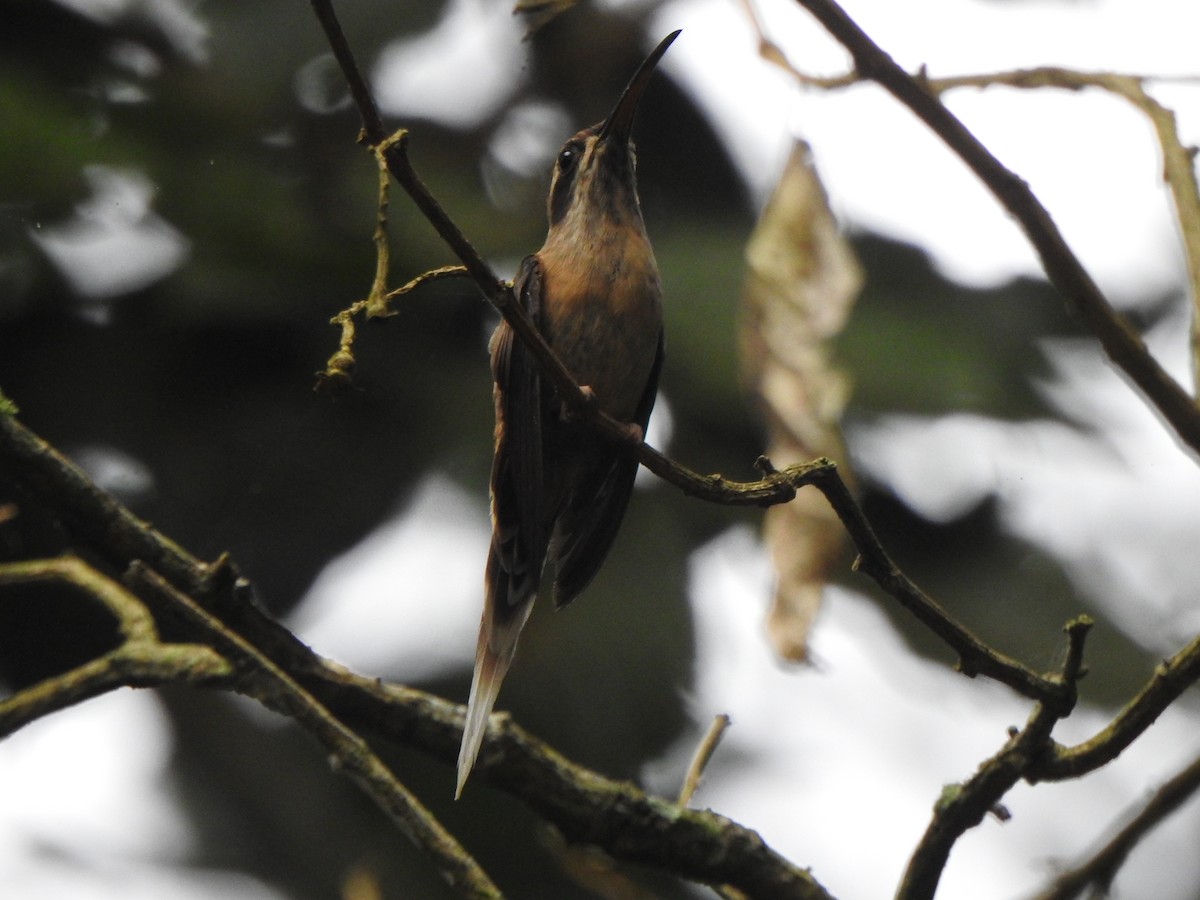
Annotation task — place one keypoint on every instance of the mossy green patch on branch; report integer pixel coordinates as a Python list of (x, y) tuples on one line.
[(7, 406)]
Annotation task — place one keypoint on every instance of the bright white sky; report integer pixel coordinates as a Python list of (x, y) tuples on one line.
[(1091, 158), (838, 758)]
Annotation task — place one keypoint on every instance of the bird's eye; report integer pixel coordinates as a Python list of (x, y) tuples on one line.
[(566, 158)]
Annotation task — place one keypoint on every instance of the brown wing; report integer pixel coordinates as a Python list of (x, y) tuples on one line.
[(520, 530), (591, 517), (520, 523)]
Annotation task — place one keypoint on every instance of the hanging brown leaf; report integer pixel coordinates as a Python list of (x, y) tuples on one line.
[(802, 281)]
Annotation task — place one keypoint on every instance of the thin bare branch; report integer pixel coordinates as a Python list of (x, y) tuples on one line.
[(704, 752), (372, 122), (964, 806), (1170, 679), (1118, 338), (1179, 171), (974, 656), (1102, 867)]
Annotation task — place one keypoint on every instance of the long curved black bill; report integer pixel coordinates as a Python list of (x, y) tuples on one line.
[(619, 123)]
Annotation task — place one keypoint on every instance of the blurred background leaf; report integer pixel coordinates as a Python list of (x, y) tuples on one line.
[(802, 282)]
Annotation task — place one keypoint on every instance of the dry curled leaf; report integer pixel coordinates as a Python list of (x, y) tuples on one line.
[(801, 283)]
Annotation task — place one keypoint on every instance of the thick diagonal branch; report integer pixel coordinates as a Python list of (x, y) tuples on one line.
[(583, 805)]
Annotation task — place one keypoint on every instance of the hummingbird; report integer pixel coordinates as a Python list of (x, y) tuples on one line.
[(559, 490)]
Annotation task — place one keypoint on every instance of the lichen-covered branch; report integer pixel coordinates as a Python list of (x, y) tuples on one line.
[(264, 680), (139, 658)]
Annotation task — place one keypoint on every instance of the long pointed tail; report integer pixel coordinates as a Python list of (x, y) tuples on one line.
[(493, 655), (490, 669)]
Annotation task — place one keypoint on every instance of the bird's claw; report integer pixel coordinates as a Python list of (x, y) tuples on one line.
[(573, 412)]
